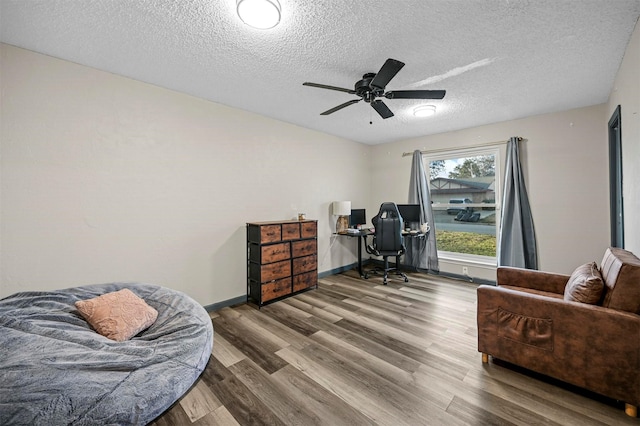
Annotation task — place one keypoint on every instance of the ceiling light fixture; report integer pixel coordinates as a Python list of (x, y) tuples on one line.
[(424, 111), (261, 14)]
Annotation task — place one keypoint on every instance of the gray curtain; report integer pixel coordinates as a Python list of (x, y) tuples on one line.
[(422, 253), (517, 235)]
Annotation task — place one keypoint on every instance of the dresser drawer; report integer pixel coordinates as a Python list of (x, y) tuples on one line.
[(258, 233), (306, 280), (304, 248), (270, 233), (270, 272), (309, 229), (269, 253), (290, 231), (305, 264), (275, 289)]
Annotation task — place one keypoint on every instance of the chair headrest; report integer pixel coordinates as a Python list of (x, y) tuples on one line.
[(391, 210)]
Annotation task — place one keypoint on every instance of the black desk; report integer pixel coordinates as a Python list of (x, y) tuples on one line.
[(360, 235), (364, 233)]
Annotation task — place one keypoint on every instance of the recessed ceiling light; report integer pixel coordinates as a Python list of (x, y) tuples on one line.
[(261, 14), (424, 111)]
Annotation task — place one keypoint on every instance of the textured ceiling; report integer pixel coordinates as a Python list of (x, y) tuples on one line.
[(497, 59)]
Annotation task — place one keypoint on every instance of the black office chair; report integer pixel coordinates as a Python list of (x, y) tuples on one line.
[(387, 240)]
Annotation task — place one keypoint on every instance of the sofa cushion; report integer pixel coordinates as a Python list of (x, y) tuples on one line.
[(585, 285), (621, 274)]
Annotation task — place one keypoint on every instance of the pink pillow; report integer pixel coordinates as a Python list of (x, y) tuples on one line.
[(119, 315)]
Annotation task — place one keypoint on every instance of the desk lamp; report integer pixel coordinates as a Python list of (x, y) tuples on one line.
[(342, 209)]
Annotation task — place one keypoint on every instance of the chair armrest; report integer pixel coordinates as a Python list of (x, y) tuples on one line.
[(370, 248), (532, 279)]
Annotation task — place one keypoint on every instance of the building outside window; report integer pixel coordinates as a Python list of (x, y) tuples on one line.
[(464, 189)]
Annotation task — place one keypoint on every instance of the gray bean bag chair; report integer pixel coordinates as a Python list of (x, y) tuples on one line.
[(56, 370)]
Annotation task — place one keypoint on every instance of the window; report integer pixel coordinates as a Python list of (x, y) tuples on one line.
[(464, 188)]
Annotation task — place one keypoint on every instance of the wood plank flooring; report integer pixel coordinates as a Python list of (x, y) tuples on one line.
[(355, 352)]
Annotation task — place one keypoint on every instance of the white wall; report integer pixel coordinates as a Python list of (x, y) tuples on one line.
[(626, 93), (565, 161), (105, 179)]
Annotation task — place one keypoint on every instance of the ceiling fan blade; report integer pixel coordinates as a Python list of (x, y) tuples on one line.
[(386, 73), (339, 107), (324, 86), (415, 94), (381, 108)]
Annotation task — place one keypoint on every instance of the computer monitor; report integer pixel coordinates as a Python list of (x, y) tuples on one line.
[(358, 217), (410, 215)]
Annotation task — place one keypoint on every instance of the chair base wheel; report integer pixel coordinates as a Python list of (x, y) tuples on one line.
[(386, 274)]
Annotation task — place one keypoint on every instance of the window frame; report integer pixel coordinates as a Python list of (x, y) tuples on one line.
[(449, 154)]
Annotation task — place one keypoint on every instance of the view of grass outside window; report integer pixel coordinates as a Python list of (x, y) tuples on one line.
[(463, 193)]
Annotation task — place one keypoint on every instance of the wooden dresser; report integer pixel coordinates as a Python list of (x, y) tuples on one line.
[(282, 259)]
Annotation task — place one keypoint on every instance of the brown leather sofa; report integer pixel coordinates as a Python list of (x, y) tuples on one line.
[(529, 320)]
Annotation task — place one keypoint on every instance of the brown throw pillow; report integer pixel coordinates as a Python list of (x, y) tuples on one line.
[(119, 315), (585, 284)]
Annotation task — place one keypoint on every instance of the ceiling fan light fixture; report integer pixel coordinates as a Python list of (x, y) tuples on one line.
[(424, 111), (260, 14)]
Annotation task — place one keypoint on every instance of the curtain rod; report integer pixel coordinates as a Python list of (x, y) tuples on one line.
[(406, 154)]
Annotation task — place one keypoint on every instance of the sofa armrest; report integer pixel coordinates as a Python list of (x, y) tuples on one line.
[(589, 346), (532, 279)]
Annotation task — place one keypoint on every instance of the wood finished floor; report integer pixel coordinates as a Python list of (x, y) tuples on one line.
[(355, 352)]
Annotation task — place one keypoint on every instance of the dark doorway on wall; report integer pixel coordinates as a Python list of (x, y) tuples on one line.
[(615, 180)]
